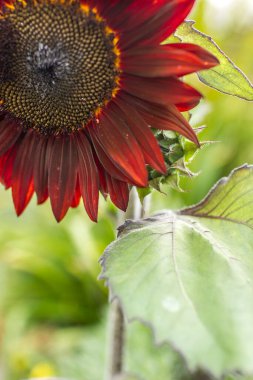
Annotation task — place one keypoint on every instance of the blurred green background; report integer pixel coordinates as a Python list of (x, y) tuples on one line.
[(52, 307)]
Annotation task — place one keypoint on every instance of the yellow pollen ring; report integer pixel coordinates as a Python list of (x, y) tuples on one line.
[(10, 6), (108, 31)]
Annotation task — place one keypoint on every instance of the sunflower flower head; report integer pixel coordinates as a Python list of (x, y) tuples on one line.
[(83, 84)]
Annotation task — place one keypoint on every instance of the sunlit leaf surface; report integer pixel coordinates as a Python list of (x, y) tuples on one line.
[(226, 77)]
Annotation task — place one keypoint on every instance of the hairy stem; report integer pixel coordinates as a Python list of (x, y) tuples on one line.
[(201, 376), (116, 340), (115, 358)]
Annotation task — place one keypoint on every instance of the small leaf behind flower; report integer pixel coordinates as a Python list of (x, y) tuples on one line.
[(189, 276), (226, 77), (143, 193)]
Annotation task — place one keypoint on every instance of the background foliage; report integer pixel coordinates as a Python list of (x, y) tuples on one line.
[(52, 308)]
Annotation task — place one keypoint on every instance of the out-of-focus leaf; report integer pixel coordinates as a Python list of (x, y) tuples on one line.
[(226, 77), (238, 377), (189, 276), (80, 354), (125, 377), (52, 269), (48, 378)]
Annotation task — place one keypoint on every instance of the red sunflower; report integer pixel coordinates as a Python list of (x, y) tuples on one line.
[(81, 85)]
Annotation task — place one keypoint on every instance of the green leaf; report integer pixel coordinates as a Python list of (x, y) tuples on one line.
[(189, 275), (226, 77), (143, 193), (148, 361)]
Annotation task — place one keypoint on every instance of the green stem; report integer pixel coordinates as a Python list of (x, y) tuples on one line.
[(115, 358), (201, 376), (116, 341)]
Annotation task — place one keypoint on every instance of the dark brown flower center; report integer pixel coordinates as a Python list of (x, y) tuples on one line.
[(58, 64)]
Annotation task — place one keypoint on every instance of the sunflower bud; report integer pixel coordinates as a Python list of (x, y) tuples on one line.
[(177, 152)]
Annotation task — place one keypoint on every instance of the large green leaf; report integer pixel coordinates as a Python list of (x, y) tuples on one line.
[(226, 77), (189, 276)]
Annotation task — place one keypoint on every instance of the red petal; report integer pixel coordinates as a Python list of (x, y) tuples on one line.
[(167, 60), (146, 139), (112, 10), (10, 131), (119, 192), (22, 176), (120, 145), (163, 117), (41, 164), (88, 176), (77, 196), (102, 180), (6, 166), (158, 20), (104, 159), (136, 14), (200, 55), (162, 91), (62, 175)]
